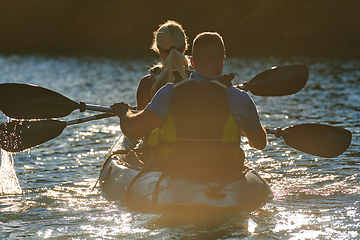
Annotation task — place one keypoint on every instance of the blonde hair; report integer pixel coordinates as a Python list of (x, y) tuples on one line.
[(170, 37)]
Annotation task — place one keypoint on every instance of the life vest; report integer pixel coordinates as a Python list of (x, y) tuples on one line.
[(152, 147), (156, 71), (200, 138), (152, 138)]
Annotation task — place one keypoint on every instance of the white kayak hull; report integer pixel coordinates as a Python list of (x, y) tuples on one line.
[(152, 190)]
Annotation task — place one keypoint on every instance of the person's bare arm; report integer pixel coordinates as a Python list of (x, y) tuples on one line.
[(136, 125), (258, 139), (143, 92)]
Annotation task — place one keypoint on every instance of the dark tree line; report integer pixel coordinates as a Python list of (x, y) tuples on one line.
[(120, 27)]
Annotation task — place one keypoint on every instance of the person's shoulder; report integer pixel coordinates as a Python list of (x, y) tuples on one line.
[(166, 90), (146, 80), (146, 77), (162, 98), (143, 90), (168, 86), (234, 90), (155, 70), (238, 95)]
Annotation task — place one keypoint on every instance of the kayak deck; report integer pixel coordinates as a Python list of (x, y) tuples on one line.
[(152, 190)]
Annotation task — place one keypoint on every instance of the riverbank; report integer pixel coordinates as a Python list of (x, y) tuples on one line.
[(249, 28)]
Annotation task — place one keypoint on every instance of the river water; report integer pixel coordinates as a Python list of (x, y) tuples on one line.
[(50, 197)]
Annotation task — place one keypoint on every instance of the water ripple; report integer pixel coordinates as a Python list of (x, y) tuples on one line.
[(314, 197)]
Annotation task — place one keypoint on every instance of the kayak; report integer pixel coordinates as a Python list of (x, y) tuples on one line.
[(125, 178)]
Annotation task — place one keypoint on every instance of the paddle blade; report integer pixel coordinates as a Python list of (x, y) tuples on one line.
[(317, 139), (24, 101), (279, 81), (16, 136)]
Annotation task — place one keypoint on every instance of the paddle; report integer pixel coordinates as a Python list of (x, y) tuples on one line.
[(24, 101), (18, 135), (315, 139), (278, 81)]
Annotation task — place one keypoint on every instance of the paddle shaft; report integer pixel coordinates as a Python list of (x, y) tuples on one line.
[(95, 108), (88, 119), (316, 139), (34, 102), (94, 117)]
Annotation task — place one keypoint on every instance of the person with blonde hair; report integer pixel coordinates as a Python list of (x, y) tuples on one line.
[(170, 42), (201, 119)]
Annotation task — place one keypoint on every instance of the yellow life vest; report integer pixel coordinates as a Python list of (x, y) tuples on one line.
[(199, 116), (199, 134)]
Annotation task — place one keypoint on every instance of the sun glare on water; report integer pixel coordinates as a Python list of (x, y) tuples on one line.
[(9, 183)]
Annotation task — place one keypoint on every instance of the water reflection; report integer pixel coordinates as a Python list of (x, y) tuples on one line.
[(314, 197), (9, 183)]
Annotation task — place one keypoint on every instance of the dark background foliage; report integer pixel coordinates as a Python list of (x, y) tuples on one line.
[(121, 27)]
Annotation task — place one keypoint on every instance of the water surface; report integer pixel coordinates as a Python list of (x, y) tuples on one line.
[(314, 197)]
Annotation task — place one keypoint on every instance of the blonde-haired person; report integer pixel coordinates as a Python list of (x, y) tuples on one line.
[(201, 119), (170, 42)]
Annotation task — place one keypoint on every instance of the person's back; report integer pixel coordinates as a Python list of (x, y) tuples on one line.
[(198, 140), (201, 118), (170, 42)]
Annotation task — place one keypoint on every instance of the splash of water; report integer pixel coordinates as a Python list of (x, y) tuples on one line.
[(9, 183)]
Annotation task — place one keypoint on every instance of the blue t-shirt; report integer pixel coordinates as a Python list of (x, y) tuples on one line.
[(241, 105)]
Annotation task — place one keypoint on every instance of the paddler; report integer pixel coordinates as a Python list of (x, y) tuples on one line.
[(202, 119), (170, 42)]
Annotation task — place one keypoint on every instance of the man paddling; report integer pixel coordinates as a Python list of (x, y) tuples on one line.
[(201, 118)]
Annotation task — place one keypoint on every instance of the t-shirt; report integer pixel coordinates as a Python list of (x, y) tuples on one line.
[(240, 103)]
